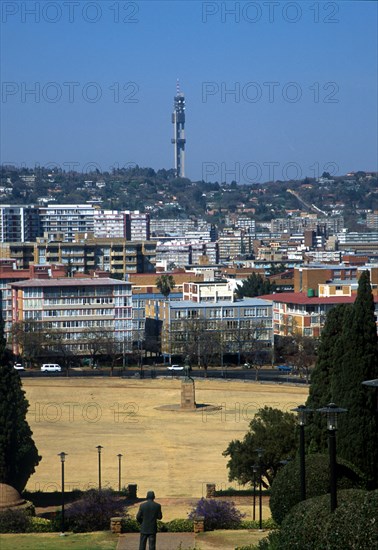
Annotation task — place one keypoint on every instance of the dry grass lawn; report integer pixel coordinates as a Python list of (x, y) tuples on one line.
[(174, 453)]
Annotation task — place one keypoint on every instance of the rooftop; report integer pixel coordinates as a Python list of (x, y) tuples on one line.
[(301, 298), (67, 282), (246, 302)]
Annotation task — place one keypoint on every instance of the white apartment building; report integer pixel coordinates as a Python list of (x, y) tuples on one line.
[(68, 219), (109, 224), (208, 291), (19, 223), (75, 311), (137, 226)]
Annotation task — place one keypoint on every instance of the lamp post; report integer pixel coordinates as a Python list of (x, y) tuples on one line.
[(260, 453), (99, 447), (255, 470), (62, 456), (302, 412), (331, 410), (119, 471)]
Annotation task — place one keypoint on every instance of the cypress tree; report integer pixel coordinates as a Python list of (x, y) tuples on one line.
[(357, 361), (3, 341), (320, 393), (18, 453)]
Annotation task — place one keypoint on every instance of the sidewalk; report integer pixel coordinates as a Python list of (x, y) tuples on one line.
[(164, 541)]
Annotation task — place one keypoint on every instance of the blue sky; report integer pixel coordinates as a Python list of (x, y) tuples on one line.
[(273, 89)]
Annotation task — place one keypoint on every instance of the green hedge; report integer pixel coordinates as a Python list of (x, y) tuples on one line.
[(255, 524), (40, 525), (14, 521), (239, 492), (129, 525), (19, 521), (180, 526), (285, 490), (311, 526)]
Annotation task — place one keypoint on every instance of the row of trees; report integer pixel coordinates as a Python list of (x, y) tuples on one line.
[(206, 342), (37, 340)]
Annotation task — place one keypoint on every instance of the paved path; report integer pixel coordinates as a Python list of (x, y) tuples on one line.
[(164, 541)]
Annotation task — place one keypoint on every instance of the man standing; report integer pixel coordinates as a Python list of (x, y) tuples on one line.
[(148, 514)]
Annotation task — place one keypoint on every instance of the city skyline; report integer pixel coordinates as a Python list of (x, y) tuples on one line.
[(274, 90)]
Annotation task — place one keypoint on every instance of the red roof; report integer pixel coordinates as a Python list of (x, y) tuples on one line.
[(301, 298)]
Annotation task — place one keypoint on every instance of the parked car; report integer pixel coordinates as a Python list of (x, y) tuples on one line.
[(51, 367), (284, 368), (175, 367), (18, 366)]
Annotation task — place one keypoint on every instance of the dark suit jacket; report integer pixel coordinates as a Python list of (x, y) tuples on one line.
[(148, 514)]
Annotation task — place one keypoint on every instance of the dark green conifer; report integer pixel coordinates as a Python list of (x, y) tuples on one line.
[(2, 337), (18, 453), (356, 362), (348, 355), (320, 390)]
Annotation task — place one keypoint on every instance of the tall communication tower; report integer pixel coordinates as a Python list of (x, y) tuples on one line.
[(178, 140)]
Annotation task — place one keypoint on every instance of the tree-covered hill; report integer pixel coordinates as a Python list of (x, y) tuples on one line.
[(164, 195)]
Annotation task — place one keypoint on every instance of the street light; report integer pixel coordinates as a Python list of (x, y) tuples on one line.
[(119, 471), (302, 412), (255, 470), (331, 410), (260, 453), (62, 460), (99, 447)]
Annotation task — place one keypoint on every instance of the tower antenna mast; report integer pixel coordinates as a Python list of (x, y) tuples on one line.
[(178, 140)]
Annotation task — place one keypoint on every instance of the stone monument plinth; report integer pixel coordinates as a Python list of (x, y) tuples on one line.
[(188, 398)]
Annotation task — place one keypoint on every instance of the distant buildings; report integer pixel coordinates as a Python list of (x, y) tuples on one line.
[(26, 223), (115, 255)]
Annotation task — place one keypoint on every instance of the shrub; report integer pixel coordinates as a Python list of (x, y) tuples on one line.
[(267, 543), (130, 525), (285, 490), (180, 526), (14, 521), (161, 526), (255, 524), (231, 492), (39, 525), (218, 514), (310, 525), (271, 542), (93, 511)]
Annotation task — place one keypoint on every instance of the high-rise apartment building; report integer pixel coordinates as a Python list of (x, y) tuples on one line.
[(68, 219), (19, 223)]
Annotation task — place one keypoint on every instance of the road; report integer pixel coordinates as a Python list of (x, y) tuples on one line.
[(230, 373)]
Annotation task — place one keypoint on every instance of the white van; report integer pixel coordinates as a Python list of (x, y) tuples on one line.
[(51, 367)]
